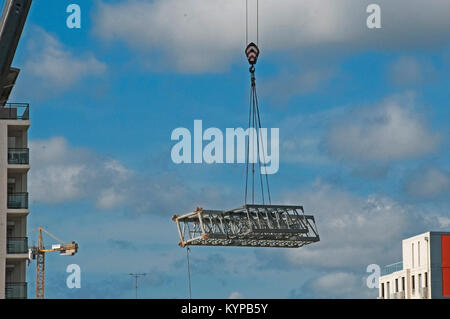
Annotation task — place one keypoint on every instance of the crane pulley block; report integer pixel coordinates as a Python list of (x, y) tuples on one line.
[(252, 53)]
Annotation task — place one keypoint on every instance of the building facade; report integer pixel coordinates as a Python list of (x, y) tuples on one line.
[(14, 166), (424, 272)]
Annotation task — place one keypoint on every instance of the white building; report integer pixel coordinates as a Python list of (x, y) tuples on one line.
[(424, 272), (14, 166)]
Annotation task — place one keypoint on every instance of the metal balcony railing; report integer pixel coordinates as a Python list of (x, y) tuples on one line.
[(16, 290), (17, 245), (19, 156), (389, 269), (15, 111), (18, 200)]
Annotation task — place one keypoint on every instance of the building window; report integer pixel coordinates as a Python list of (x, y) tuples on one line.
[(11, 185), (403, 283), (419, 281), (413, 283), (396, 285), (426, 280), (418, 253), (382, 290), (388, 290)]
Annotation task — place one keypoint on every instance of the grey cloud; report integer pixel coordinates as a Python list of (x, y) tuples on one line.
[(355, 231), (429, 183), (335, 285), (287, 84), (208, 35), (392, 130), (52, 68), (408, 71), (63, 173)]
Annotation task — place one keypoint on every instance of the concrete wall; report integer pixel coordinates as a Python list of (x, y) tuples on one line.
[(416, 257), (16, 267), (3, 202), (389, 283)]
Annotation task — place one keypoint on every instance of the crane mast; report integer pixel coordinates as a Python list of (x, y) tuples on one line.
[(40, 267)]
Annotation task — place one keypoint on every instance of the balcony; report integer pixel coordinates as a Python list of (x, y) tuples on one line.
[(17, 245), (15, 111), (16, 290), (423, 292), (18, 156), (18, 200), (389, 269)]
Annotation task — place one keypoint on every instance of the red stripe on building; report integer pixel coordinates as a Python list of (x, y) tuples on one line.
[(445, 244)]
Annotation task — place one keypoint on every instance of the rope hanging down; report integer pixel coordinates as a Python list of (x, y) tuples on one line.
[(257, 22), (255, 140), (188, 250)]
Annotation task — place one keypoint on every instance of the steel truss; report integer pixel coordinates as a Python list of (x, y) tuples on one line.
[(248, 226)]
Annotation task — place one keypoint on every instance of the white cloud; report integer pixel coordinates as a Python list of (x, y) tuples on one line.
[(301, 138), (110, 198), (340, 285), (354, 231), (444, 222), (235, 295), (62, 173), (55, 67), (208, 35), (392, 130), (55, 178), (429, 183)]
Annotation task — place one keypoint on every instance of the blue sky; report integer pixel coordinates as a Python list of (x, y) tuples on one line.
[(363, 117)]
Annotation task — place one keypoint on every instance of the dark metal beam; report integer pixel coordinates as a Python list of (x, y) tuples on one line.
[(15, 13), (248, 226)]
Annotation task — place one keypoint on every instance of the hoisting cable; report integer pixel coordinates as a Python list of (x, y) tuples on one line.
[(257, 22), (188, 250), (254, 122)]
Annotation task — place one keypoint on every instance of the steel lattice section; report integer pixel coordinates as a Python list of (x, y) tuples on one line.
[(248, 226)]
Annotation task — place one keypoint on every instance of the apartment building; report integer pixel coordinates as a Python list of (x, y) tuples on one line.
[(14, 166), (424, 272)]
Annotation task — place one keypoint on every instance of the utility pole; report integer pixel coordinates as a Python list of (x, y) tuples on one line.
[(136, 277)]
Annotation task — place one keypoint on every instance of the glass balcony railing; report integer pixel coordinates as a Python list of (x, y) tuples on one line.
[(15, 111), (19, 156), (389, 269), (18, 200), (17, 245), (16, 290)]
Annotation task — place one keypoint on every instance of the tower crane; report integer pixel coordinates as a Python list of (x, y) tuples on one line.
[(38, 252)]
